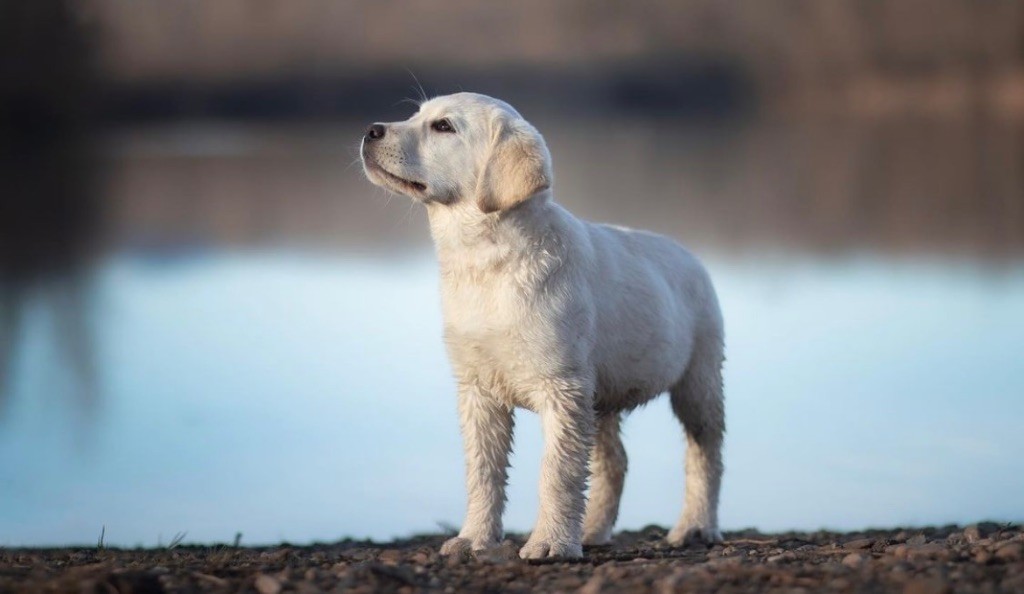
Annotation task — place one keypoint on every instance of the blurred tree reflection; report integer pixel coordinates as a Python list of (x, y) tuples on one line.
[(49, 213)]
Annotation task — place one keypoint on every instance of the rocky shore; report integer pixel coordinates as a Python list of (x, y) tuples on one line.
[(984, 557)]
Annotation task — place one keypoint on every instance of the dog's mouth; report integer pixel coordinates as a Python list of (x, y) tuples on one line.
[(412, 186)]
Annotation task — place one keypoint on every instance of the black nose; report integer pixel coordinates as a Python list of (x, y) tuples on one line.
[(376, 132)]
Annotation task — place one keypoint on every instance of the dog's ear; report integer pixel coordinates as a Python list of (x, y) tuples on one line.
[(517, 166)]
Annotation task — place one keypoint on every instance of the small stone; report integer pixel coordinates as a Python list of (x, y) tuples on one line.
[(782, 557), (593, 585), (860, 543), (266, 584), (932, 550), (888, 560), (133, 582), (390, 556), (854, 560), (458, 557), (723, 562), (278, 555), (916, 540), (670, 583), (926, 586), (898, 551), (420, 558), (983, 557), (1011, 551)]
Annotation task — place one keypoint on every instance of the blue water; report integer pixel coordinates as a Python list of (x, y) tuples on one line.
[(299, 398)]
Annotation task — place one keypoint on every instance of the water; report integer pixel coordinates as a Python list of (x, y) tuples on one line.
[(268, 359)]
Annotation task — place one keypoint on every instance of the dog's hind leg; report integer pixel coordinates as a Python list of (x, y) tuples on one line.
[(607, 475), (699, 403)]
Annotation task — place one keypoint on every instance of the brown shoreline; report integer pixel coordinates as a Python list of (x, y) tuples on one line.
[(984, 557)]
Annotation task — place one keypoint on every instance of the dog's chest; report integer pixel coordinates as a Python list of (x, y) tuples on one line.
[(488, 315), (495, 338)]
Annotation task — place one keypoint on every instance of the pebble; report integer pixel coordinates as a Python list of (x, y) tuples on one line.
[(420, 558), (277, 556), (458, 557), (1011, 551), (926, 586), (593, 585), (919, 539), (899, 551), (390, 556), (932, 550), (266, 584), (854, 560), (781, 557), (722, 562), (860, 543)]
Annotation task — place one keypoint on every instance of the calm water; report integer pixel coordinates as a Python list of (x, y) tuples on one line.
[(268, 358)]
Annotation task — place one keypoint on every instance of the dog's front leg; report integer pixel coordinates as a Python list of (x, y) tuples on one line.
[(567, 417), (487, 439)]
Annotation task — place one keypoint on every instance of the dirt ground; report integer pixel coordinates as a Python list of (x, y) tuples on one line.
[(979, 558)]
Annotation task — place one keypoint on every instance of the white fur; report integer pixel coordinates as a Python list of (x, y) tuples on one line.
[(575, 321)]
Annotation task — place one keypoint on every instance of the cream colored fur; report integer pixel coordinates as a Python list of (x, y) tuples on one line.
[(575, 321)]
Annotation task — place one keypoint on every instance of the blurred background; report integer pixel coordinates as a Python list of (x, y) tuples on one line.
[(212, 324)]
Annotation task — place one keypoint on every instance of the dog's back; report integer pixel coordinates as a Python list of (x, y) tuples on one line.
[(653, 301)]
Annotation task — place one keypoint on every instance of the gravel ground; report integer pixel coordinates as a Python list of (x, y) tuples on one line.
[(979, 558)]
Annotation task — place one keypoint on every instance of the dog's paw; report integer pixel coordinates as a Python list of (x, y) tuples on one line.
[(457, 547), (598, 537), (686, 534), (463, 547), (545, 548)]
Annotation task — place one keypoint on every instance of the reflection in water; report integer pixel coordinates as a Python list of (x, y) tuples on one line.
[(48, 207), (919, 187)]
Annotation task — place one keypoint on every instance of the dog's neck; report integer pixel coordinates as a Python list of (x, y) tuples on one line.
[(466, 237)]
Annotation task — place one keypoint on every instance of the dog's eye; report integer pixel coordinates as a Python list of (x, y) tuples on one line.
[(442, 126)]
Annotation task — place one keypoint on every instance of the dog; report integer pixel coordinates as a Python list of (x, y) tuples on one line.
[(577, 322)]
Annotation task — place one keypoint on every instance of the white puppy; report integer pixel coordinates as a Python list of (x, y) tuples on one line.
[(575, 321)]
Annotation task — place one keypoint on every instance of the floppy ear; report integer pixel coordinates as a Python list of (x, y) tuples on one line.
[(517, 167)]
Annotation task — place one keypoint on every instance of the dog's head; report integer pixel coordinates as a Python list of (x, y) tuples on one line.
[(456, 148)]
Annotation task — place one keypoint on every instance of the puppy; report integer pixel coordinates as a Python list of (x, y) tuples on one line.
[(577, 322)]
